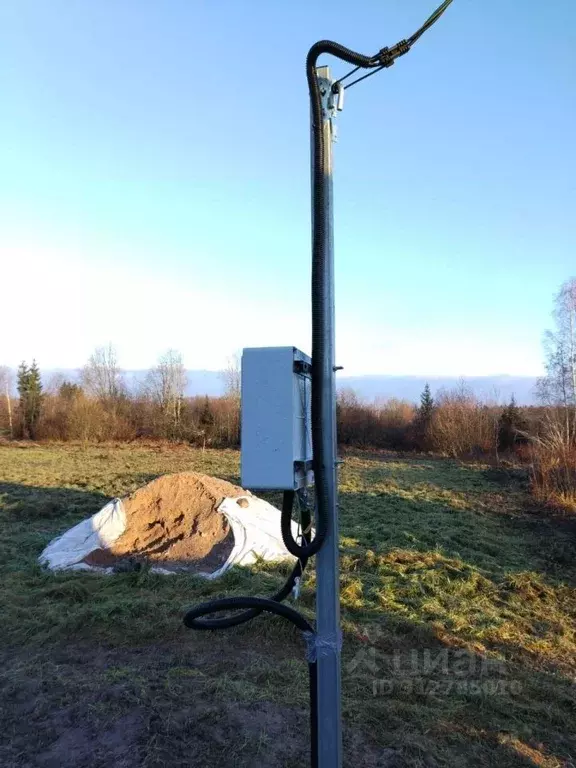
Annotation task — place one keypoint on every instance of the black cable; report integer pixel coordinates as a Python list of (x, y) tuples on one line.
[(260, 604), (307, 548), (429, 21), (359, 80), (347, 75), (313, 683), (235, 620), (200, 617), (387, 56), (235, 603), (323, 473)]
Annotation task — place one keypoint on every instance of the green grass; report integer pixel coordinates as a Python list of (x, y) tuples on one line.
[(458, 605)]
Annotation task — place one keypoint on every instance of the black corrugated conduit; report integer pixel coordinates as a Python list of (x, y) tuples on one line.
[(246, 608)]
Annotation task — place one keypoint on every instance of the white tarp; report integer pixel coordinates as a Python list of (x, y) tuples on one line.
[(97, 532), (255, 526)]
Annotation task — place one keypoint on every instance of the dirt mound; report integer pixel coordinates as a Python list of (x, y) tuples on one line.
[(172, 522)]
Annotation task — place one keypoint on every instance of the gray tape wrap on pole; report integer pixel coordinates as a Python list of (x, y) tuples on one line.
[(318, 647)]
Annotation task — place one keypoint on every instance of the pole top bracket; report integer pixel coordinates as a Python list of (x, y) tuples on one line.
[(332, 94)]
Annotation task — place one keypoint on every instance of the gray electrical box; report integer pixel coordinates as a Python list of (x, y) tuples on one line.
[(276, 437)]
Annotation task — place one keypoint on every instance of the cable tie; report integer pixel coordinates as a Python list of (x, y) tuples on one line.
[(296, 588)]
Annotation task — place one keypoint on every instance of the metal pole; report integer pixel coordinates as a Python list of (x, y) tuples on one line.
[(327, 559)]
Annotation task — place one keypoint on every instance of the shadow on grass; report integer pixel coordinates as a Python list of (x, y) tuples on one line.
[(441, 702), (494, 542), (37, 504)]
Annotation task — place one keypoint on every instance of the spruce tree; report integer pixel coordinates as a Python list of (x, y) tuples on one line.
[(70, 391), (35, 399), (424, 418), (511, 427), (426, 405), (30, 392), (22, 385), (206, 422), (206, 414)]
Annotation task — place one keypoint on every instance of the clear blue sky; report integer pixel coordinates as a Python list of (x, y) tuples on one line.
[(154, 181)]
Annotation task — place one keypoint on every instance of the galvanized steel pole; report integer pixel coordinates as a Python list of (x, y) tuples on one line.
[(327, 559)]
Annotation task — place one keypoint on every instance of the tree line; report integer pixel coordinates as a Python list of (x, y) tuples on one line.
[(99, 406), (457, 423), (454, 423)]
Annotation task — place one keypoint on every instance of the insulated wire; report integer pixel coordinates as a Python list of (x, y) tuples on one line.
[(394, 52), (359, 80), (430, 21)]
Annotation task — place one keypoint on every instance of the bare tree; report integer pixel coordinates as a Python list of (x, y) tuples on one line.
[(558, 387), (463, 425), (166, 385), (231, 377), (54, 383), (6, 384), (102, 377)]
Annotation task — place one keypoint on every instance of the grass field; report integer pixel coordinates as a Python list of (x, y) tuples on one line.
[(459, 614)]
